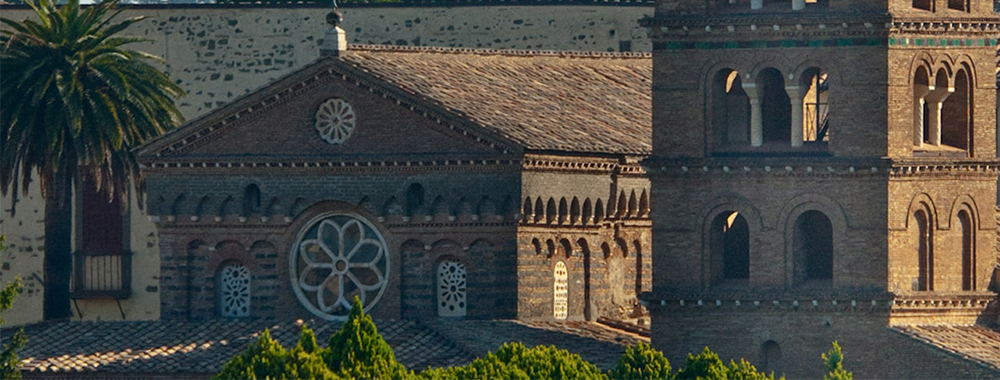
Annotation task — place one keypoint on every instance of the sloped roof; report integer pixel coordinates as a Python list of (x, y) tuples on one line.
[(561, 101), (203, 347), (582, 102), (976, 343)]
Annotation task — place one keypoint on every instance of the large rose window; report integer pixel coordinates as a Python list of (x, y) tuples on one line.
[(336, 258)]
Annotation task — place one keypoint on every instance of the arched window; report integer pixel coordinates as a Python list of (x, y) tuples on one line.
[(550, 211), (622, 205), (415, 200), (563, 211), (921, 112), (588, 212), (730, 239), (527, 210), (599, 211), (633, 205), (638, 266), (771, 357), (560, 291), (956, 112), (811, 107), (968, 251), (251, 200), (775, 106), (234, 290), (813, 239), (574, 211), (730, 109), (644, 205), (451, 286), (925, 252), (539, 210)]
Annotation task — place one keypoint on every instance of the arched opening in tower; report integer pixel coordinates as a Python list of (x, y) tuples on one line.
[(813, 237), (776, 107)]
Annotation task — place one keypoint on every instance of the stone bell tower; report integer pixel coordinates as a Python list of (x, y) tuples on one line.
[(822, 170)]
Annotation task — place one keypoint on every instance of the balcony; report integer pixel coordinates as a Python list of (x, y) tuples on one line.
[(102, 275)]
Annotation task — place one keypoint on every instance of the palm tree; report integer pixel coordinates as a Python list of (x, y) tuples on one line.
[(75, 103)]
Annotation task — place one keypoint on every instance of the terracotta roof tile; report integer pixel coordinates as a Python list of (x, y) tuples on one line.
[(179, 347), (977, 343), (561, 101)]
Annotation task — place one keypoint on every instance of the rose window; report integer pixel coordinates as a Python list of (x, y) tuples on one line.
[(336, 258), (560, 298), (234, 290), (451, 288), (335, 120)]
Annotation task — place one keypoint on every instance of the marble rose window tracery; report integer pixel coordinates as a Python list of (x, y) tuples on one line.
[(335, 121), (335, 258), (451, 281)]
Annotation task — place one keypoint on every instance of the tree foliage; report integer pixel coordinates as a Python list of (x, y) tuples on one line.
[(10, 366), (834, 361), (267, 359), (515, 361), (707, 365), (642, 362), (76, 101), (358, 351)]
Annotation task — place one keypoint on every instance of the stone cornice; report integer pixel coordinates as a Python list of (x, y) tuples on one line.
[(762, 167), (582, 165), (831, 303), (936, 168)]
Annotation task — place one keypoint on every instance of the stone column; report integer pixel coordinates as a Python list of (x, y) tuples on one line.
[(919, 93), (798, 5), (756, 117), (756, 4), (935, 99), (795, 94)]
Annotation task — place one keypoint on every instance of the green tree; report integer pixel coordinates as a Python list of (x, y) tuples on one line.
[(267, 359), (706, 365), (641, 362), (358, 351), (834, 361), (517, 362), (76, 102), (746, 371), (10, 366)]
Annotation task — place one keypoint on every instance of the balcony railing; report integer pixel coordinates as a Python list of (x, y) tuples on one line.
[(102, 275)]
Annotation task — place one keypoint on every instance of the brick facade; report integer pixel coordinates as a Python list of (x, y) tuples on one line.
[(243, 184), (834, 248)]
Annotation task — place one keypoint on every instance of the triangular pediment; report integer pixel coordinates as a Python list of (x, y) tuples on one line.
[(326, 111)]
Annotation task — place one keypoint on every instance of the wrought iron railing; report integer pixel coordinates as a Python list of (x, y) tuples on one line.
[(102, 275)]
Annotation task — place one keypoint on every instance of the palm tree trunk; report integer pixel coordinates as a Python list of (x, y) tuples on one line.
[(58, 246)]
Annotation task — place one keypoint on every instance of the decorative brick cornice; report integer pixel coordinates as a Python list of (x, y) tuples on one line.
[(582, 165), (770, 167), (330, 166), (942, 302), (770, 304), (981, 169)]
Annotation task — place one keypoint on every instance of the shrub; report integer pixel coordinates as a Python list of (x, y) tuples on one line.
[(10, 366), (746, 371), (834, 361), (516, 362), (641, 362), (358, 351)]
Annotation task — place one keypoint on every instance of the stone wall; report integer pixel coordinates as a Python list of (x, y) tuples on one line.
[(219, 53)]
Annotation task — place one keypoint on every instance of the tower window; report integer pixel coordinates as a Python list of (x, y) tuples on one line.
[(927, 5), (560, 291), (968, 251), (731, 243), (234, 290), (925, 252), (813, 238), (731, 109)]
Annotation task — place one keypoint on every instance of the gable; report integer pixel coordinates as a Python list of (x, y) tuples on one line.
[(279, 122)]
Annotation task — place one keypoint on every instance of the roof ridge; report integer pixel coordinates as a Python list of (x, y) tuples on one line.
[(500, 52)]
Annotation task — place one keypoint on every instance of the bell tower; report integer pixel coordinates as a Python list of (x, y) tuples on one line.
[(822, 170)]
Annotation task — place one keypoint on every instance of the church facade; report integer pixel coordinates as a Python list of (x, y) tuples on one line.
[(824, 171), (428, 182)]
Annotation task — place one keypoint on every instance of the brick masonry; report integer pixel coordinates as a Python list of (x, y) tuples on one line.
[(867, 180)]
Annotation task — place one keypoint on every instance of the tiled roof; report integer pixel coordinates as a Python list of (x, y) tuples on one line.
[(186, 348), (977, 343), (561, 101)]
